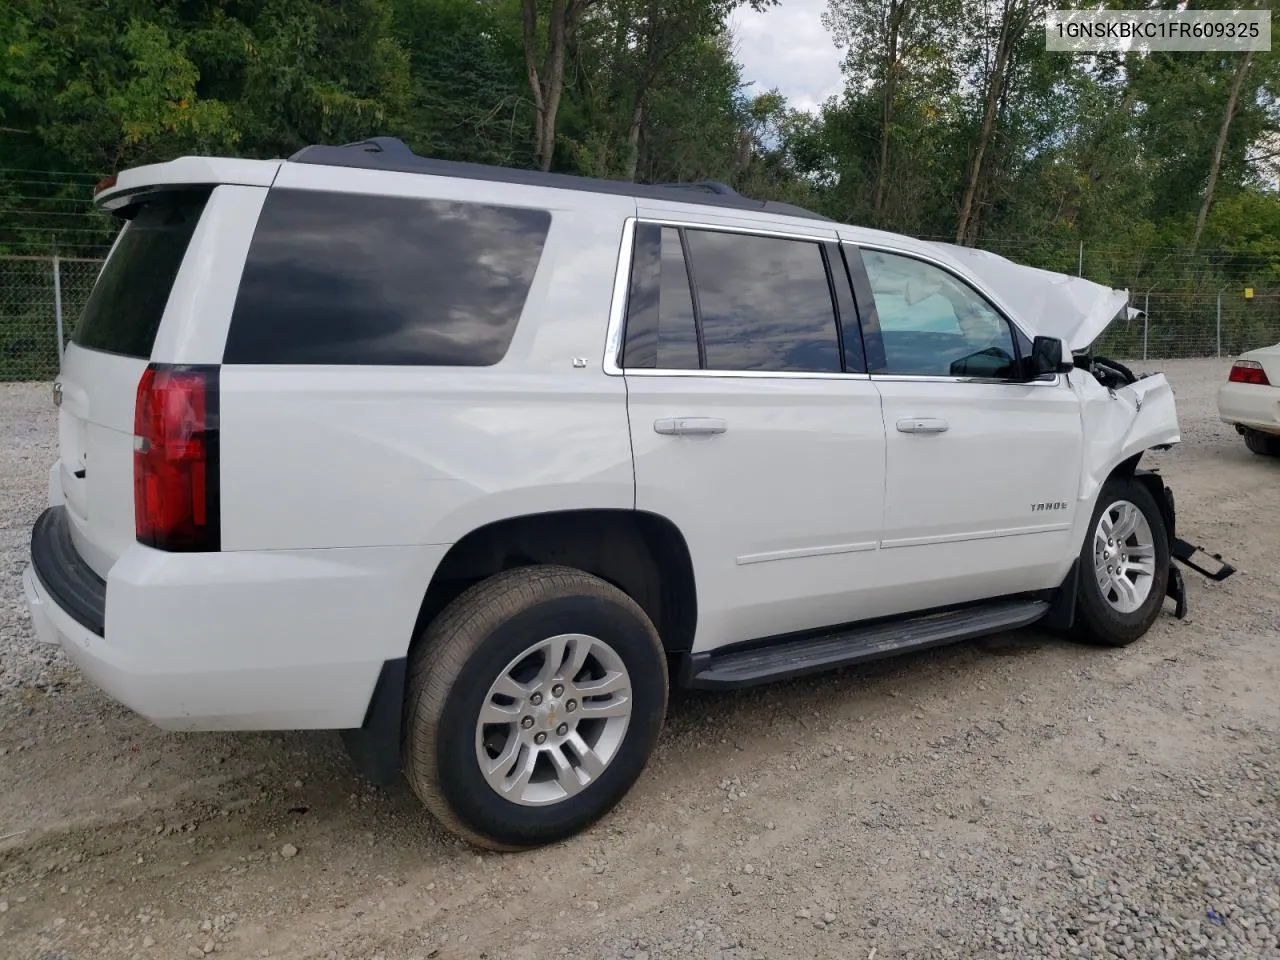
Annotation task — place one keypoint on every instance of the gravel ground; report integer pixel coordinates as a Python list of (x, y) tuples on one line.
[(1019, 796)]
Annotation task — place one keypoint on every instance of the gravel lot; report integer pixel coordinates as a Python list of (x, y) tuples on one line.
[(1020, 796)]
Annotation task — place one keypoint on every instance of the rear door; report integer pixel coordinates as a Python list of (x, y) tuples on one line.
[(754, 426), (164, 294), (109, 350)]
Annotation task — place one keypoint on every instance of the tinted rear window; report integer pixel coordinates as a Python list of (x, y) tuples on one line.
[(764, 303), (662, 330), (127, 303), (336, 278)]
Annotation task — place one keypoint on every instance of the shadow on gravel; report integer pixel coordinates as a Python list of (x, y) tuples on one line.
[(942, 671), (182, 790)]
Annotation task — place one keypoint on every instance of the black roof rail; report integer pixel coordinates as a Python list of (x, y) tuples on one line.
[(393, 154), (392, 145), (710, 186)]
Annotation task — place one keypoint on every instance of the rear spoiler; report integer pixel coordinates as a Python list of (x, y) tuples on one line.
[(117, 192)]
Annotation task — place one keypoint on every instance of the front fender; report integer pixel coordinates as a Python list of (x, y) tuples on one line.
[(1120, 424)]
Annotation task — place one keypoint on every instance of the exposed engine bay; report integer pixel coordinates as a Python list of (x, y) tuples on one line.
[(1112, 374)]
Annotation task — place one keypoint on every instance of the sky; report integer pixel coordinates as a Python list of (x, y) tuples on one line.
[(788, 47)]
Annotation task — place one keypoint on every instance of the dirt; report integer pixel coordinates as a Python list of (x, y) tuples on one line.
[(1021, 795)]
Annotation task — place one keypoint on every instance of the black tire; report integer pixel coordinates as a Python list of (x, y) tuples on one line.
[(1097, 620), (462, 652), (1263, 444)]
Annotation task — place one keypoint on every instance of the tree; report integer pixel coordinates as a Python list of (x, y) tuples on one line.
[(1215, 165), (469, 97), (1001, 44), (652, 31), (546, 72), (893, 51)]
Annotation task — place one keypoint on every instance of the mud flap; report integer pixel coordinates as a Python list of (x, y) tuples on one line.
[(1177, 591), (374, 747)]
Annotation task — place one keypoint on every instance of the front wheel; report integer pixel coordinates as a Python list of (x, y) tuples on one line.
[(1124, 565), (534, 702)]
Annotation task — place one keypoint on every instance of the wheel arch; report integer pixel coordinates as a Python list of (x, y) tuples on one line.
[(643, 554), (1062, 609), (1154, 482)]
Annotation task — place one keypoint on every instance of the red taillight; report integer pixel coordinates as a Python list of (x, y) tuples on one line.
[(175, 458), (1249, 371)]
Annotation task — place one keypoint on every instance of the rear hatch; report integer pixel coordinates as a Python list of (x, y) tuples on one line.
[(109, 351)]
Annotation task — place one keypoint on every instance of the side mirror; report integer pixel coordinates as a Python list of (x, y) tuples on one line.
[(1046, 358)]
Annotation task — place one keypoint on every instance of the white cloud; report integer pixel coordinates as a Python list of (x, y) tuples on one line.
[(787, 47)]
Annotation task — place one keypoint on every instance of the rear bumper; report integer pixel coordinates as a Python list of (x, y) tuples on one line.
[(68, 581), (238, 640), (1250, 405)]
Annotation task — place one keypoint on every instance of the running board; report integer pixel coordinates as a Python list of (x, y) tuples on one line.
[(785, 658)]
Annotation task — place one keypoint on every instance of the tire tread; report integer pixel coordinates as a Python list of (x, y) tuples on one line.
[(1097, 623), (449, 642), (1264, 445)]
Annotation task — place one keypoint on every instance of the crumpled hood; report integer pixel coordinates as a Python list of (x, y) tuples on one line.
[(1073, 309)]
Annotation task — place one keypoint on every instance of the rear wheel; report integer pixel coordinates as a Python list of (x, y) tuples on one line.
[(534, 702), (1263, 444), (1124, 565)]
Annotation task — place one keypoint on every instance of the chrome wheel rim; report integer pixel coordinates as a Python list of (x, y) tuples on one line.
[(1124, 556), (553, 720)]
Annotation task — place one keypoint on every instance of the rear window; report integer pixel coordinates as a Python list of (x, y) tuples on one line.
[(336, 278), (127, 303)]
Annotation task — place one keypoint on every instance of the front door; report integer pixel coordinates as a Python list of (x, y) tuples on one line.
[(982, 470), (754, 426)]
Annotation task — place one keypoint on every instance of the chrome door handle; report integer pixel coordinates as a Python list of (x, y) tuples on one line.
[(922, 425), (689, 426)]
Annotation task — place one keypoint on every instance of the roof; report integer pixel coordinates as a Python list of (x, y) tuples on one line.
[(392, 154)]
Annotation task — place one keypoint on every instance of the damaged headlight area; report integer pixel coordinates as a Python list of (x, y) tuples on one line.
[(1112, 374)]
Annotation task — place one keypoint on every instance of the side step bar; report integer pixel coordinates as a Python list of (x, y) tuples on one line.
[(1183, 552), (796, 656)]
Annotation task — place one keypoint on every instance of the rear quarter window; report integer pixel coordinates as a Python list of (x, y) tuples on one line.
[(124, 310), (337, 278)]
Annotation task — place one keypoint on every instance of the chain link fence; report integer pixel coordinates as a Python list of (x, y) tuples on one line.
[(41, 299), (1188, 325)]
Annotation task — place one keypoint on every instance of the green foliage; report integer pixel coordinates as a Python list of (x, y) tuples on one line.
[(1112, 152), (470, 99)]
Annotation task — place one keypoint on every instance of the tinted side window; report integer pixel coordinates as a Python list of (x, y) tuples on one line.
[(763, 303), (128, 300), (334, 278), (932, 324), (661, 330)]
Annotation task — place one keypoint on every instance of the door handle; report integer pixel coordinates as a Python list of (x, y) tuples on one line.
[(922, 425), (689, 426)]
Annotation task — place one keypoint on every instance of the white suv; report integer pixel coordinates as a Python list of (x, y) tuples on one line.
[(464, 461)]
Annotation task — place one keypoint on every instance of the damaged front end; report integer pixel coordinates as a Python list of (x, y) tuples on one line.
[(1125, 414)]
